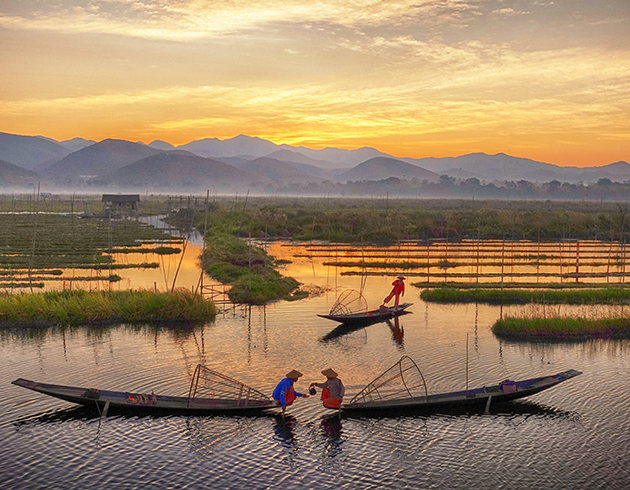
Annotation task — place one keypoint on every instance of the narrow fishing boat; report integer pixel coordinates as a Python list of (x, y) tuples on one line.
[(210, 392), (402, 387), (372, 316), (351, 308)]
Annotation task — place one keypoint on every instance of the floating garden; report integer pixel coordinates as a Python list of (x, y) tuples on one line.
[(39, 241)]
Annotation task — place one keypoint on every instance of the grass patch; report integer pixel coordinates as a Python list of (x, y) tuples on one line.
[(562, 328), (80, 307), (232, 260), (608, 295)]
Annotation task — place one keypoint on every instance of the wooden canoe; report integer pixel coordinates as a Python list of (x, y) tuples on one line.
[(226, 396), (485, 395), (372, 316)]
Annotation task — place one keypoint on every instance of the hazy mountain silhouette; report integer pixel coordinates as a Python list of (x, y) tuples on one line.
[(616, 172), (181, 170), (252, 148), (281, 171), (506, 167), (14, 175), (76, 144), (29, 152), (293, 156), (238, 146), (100, 158), (381, 168), (161, 145), (54, 159), (340, 158)]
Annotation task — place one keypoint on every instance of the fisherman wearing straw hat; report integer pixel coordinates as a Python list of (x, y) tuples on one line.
[(332, 389), (284, 394), (397, 291)]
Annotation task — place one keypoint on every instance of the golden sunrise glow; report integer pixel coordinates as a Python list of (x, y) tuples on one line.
[(543, 80)]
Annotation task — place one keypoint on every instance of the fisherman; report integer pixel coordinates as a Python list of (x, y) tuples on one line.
[(397, 291), (332, 389), (284, 394)]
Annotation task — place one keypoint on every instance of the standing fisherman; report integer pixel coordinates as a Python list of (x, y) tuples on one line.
[(397, 291)]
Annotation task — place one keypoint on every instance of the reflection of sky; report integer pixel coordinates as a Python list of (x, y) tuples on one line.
[(311, 271)]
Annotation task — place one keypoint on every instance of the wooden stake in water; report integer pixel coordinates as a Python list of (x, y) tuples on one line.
[(466, 361)]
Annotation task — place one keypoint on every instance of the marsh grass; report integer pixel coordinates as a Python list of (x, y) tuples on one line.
[(538, 321), (106, 307), (600, 296), (250, 270)]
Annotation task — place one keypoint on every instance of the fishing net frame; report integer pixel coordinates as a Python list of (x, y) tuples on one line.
[(401, 381), (208, 383), (349, 302)]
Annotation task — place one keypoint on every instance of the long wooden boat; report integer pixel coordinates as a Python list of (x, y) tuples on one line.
[(226, 395), (372, 316), (483, 396), (403, 387)]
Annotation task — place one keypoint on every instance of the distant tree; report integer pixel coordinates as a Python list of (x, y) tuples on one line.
[(447, 181)]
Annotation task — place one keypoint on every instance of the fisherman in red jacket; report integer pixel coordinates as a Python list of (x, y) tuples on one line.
[(397, 291)]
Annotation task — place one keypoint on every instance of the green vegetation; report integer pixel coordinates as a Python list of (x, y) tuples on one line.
[(249, 268), (605, 295), (384, 220), (40, 237), (106, 307), (562, 328)]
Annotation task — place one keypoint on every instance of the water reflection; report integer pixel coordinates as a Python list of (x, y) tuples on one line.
[(284, 433), (347, 328), (573, 435), (398, 332), (331, 432)]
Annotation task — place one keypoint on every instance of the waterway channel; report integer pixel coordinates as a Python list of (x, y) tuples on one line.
[(573, 436)]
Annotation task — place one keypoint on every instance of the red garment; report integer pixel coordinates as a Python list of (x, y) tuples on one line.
[(290, 396), (397, 290), (329, 401)]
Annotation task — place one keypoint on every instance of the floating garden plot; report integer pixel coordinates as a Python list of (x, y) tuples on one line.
[(35, 248)]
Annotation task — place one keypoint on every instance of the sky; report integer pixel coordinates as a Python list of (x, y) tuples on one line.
[(547, 80)]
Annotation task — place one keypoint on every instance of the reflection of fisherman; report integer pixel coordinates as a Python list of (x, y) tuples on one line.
[(397, 291), (332, 389), (284, 393)]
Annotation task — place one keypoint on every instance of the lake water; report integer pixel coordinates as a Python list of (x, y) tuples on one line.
[(573, 436)]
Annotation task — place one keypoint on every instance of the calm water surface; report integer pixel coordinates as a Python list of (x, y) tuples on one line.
[(574, 436)]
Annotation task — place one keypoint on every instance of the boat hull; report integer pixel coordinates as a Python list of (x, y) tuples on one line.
[(143, 403), (372, 316), (484, 396)]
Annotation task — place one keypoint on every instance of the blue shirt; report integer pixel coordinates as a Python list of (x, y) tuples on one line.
[(282, 389)]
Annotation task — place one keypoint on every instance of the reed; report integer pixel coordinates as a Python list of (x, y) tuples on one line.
[(562, 327), (79, 307), (606, 295)]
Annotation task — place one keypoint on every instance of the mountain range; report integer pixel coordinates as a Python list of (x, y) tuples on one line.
[(244, 162)]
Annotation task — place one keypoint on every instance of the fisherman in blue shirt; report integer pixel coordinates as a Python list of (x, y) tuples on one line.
[(284, 394)]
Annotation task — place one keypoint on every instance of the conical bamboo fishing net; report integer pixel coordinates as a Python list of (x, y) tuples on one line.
[(349, 302), (207, 383), (402, 381)]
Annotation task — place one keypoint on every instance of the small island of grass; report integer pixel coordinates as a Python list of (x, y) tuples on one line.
[(562, 328), (78, 307), (248, 268), (586, 296)]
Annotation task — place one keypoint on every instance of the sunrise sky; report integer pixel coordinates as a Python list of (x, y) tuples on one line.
[(548, 80)]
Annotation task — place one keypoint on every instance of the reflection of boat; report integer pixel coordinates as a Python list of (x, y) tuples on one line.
[(210, 392), (349, 327), (372, 316), (402, 387)]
